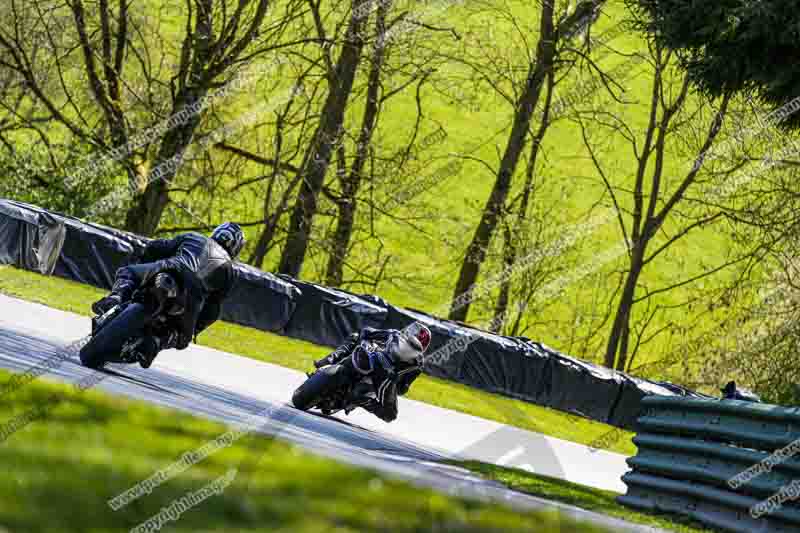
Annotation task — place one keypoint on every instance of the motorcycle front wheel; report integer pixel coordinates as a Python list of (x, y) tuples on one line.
[(319, 385), (106, 345)]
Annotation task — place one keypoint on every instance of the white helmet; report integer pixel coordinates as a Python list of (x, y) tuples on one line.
[(420, 333), (410, 344)]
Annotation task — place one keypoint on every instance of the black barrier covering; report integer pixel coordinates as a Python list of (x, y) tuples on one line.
[(261, 300), (530, 371), (91, 254), (136, 242), (518, 368), (328, 316), (577, 386), (30, 238)]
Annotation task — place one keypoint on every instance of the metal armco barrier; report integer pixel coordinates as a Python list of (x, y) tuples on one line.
[(688, 450)]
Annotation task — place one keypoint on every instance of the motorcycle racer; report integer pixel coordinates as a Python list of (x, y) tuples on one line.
[(204, 265), (393, 364)]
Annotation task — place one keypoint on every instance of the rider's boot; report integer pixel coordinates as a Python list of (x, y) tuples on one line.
[(336, 356), (121, 291), (325, 361)]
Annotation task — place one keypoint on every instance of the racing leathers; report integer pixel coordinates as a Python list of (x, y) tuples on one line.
[(203, 267), (393, 365)]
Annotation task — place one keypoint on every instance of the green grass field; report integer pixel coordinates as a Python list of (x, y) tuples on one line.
[(584, 497), (61, 469), (74, 297)]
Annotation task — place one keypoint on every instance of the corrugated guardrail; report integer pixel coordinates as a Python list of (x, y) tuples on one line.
[(689, 450)]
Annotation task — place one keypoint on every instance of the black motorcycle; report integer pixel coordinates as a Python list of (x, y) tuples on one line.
[(335, 388), (149, 311)]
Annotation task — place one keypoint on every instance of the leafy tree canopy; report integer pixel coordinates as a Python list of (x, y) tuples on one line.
[(749, 47)]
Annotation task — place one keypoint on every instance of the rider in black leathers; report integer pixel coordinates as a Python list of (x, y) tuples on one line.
[(392, 368), (205, 266)]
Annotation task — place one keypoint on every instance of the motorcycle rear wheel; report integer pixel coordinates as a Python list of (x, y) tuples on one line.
[(105, 346)]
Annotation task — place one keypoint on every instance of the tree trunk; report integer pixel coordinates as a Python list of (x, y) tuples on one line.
[(326, 137), (476, 251), (501, 306), (646, 219), (271, 225), (348, 205), (262, 246), (622, 359), (144, 216), (205, 55), (268, 233), (510, 248), (270, 218), (622, 319), (341, 240)]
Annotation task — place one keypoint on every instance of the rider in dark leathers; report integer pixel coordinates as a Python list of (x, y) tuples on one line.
[(392, 368), (205, 266)]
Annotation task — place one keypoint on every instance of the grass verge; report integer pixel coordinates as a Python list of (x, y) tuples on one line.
[(75, 297), (596, 500), (61, 469)]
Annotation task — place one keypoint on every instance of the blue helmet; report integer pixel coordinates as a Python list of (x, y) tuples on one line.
[(230, 236)]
